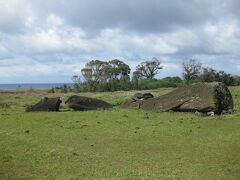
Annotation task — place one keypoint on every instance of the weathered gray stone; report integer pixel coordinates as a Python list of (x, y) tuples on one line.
[(85, 103), (45, 104), (142, 96), (202, 97), (132, 104)]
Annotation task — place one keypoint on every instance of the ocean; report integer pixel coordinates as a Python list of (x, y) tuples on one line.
[(31, 86)]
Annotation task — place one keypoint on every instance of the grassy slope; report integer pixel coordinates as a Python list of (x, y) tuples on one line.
[(115, 144)]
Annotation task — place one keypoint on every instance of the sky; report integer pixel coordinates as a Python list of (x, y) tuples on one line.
[(50, 41)]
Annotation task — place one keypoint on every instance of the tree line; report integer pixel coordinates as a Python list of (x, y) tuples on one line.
[(114, 75), (193, 71)]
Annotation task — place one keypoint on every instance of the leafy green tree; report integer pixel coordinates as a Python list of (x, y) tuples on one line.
[(118, 69), (94, 70), (160, 83), (225, 78), (170, 82), (237, 80), (87, 74), (105, 75), (208, 75), (118, 74)]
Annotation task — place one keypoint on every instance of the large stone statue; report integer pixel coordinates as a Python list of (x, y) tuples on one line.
[(202, 97), (85, 103), (45, 104)]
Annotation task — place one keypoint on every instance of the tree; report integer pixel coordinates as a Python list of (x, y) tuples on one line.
[(225, 78), (208, 75), (76, 83), (118, 75), (191, 69), (118, 69), (149, 69), (236, 80), (87, 73), (106, 75), (93, 70), (76, 79), (135, 79)]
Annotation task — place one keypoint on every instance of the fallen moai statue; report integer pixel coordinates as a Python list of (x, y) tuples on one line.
[(85, 103), (45, 104), (202, 97)]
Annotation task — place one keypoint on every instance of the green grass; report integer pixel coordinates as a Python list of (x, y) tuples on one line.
[(117, 143)]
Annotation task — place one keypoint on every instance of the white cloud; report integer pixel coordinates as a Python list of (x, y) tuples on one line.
[(58, 37), (43, 41), (13, 14), (54, 20), (33, 69), (222, 36), (3, 50)]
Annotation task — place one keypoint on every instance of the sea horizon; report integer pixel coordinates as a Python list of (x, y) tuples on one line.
[(23, 86)]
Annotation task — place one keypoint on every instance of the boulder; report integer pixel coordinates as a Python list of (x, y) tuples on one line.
[(142, 96), (85, 103), (202, 97), (45, 104)]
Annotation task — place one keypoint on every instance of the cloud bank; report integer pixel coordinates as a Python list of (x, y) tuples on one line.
[(51, 41)]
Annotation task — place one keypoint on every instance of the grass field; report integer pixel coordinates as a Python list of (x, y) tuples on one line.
[(117, 143)]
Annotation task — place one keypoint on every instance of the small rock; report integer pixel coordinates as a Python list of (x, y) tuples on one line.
[(198, 113), (27, 131), (83, 126), (210, 113)]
